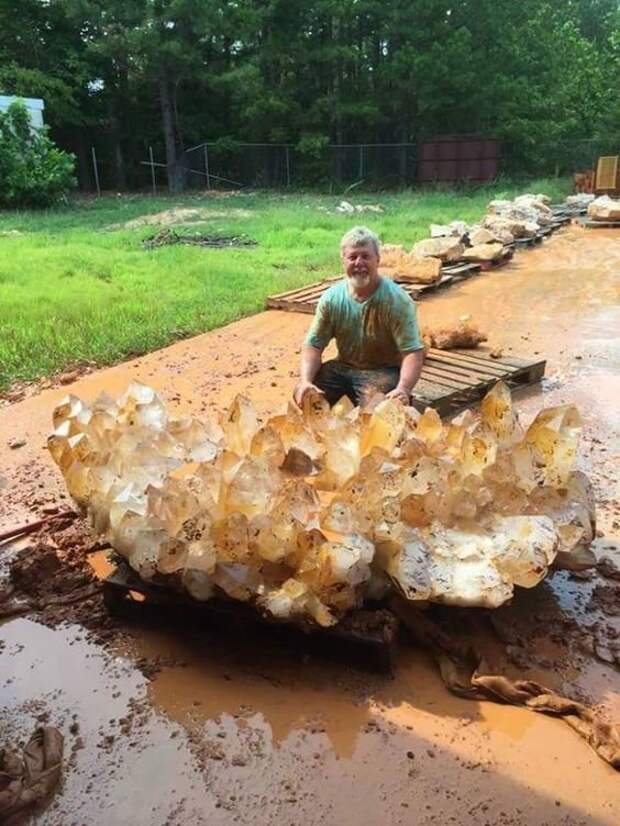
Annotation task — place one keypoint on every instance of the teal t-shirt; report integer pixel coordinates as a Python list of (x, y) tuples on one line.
[(373, 333)]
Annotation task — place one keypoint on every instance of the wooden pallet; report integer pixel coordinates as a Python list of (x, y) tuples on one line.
[(455, 379), (304, 299), (365, 637), (564, 212), (544, 232), (560, 220), (450, 274), (600, 224), (529, 242)]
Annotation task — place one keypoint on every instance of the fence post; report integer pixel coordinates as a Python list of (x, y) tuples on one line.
[(288, 167), (152, 170), (207, 167), (96, 171), (361, 166)]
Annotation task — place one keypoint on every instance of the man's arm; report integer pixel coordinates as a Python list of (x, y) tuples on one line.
[(408, 340), (319, 336), (410, 369), (309, 367)]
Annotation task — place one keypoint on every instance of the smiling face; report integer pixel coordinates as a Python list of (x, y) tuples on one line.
[(361, 265)]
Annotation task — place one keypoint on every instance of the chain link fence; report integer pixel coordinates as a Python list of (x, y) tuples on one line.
[(228, 164), (285, 165)]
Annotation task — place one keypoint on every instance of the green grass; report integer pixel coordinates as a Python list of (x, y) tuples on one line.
[(72, 290)]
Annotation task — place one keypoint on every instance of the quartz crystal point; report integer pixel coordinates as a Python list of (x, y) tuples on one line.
[(552, 439), (341, 459), (239, 424), (252, 488), (310, 513), (498, 416), (141, 406), (295, 434), (385, 427)]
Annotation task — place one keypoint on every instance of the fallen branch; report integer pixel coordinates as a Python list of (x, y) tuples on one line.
[(78, 595), (34, 526), (13, 607)]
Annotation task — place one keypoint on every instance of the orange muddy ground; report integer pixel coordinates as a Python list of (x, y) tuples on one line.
[(175, 728)]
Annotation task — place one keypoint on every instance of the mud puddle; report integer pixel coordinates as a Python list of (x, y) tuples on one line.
[(235, 737), (178, 727)]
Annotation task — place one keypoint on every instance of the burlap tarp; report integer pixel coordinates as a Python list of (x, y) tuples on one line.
[(464, 672), (28, 776)]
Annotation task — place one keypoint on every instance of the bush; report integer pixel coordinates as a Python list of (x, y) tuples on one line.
[(33, 171)]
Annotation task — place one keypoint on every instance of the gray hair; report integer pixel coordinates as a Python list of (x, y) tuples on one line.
[(359, 237)]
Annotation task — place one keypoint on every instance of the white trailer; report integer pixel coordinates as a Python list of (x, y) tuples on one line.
[(35, 107)]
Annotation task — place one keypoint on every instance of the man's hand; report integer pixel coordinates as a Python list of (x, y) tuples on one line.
[(399, 393), (302, 390)]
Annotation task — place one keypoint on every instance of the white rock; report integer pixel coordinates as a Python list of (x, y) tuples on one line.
[(446, 249), (604, 208), (481, 235), (439, 230), (582, 199), (484, 252)]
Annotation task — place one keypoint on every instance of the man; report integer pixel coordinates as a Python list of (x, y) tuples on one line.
[(374, 323)]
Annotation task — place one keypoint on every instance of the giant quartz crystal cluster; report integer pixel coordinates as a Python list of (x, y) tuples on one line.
[(311, 512)]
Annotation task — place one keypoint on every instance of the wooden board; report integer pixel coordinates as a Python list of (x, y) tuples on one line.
[(607, 174), (455, 379), (365, 636)]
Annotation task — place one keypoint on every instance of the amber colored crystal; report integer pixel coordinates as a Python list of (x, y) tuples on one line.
[(312, 512)]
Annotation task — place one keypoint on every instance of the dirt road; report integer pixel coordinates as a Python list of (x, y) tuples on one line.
[(175, 728)]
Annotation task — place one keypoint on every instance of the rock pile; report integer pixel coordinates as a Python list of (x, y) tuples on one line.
[(486, 241), (312, 512), (409, 266), (579, 201), (604, 208)]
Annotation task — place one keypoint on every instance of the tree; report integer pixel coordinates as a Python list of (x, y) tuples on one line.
[(33, 171), (126, 74)]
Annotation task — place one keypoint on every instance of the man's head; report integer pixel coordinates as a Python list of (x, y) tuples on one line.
[(359, 249)]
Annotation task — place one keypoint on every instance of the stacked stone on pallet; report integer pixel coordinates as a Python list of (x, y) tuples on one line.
[(484, 242), (604, 208)]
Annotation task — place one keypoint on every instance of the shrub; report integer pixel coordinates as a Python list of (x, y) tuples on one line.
[(33, 171)]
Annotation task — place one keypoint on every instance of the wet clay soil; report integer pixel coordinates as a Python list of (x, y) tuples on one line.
[(184, 726)]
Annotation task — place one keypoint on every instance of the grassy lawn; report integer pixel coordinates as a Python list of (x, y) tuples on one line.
[(72, 290)]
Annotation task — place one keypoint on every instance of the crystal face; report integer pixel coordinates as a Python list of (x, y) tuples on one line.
[(310, 513)]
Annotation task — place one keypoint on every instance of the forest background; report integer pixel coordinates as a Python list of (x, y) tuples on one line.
[(542, 76)]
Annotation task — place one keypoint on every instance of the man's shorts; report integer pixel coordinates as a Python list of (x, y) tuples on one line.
[(336, 380)]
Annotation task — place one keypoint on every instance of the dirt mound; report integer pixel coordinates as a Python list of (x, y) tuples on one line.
[(181, 215), (53, 579)]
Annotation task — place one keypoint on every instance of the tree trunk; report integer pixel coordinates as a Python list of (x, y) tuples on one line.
[(175, 181), (85, 177), (336, 93), (402, 154), (120, 178)]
